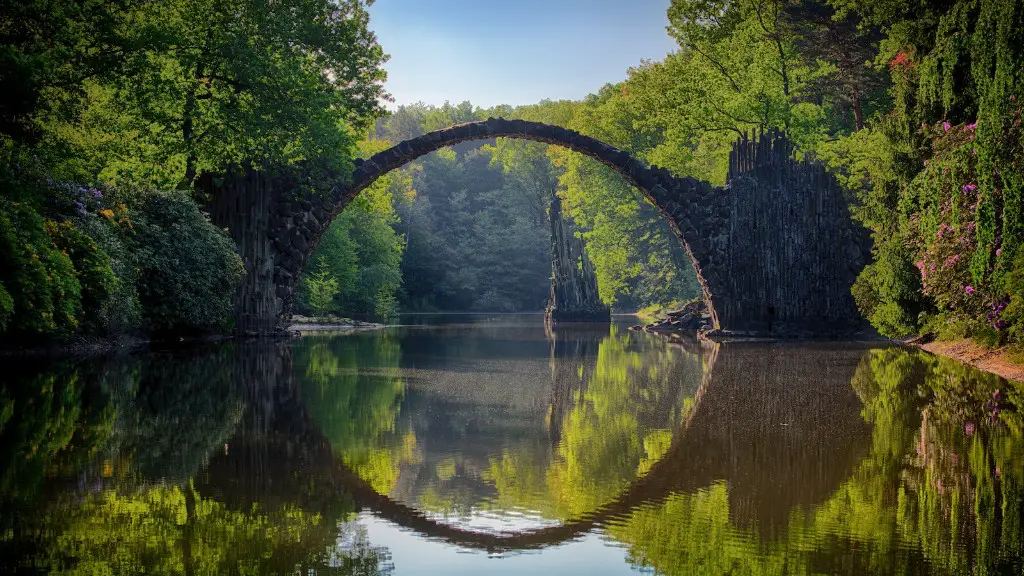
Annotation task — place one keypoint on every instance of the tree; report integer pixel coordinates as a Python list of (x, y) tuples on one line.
[(321, 288), (203, 87)]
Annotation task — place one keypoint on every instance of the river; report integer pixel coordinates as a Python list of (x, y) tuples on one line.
[(476, 444)]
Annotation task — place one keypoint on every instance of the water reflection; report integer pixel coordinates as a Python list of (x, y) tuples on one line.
[(675, 458)]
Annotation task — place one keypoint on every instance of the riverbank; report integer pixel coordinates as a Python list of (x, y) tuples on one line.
[(999, 361), (337, 324)]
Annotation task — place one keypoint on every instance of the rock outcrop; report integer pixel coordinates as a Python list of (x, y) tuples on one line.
[(574, 296)]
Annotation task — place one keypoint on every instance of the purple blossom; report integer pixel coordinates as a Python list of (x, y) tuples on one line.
[(969, 290), (968, 188), (79, 208), (96, 193), (999, 252), (969, 428)]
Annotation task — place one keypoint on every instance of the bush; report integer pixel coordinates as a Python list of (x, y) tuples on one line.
[(43, 294), (112, 231), (188, 268), (92, 269), (887, 292), (320, 289), (1013, 314)]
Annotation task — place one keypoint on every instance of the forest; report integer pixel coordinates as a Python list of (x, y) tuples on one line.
[(112, 109)]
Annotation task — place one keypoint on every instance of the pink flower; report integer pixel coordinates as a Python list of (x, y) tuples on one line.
[(969, 290), (969, 428), (968, 188), (970, 127), (999, 252), (946, 126)]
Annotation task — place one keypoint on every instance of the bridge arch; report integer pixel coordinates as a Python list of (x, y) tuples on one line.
[(656, 184), (775, 251)]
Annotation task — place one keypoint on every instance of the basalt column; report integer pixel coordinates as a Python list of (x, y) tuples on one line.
[(240, 202), (791, 249), (574, 296)]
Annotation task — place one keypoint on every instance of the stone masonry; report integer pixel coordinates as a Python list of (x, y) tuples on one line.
[(775, 250)]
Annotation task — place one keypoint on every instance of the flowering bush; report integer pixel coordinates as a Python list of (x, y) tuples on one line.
[(947, 239)]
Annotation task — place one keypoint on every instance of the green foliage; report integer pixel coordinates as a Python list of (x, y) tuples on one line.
[(321, 288), (147, 96), (476, 229), (6, 307), (949, 185), (638, 260), (362, 251), (188, 267), (164, 90), (888, 293), (92, 269), (42, 288)]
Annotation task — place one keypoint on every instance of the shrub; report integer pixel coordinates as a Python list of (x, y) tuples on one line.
[(188, 268), (887, 292), (92, 269), (43, 294), (121, 312)]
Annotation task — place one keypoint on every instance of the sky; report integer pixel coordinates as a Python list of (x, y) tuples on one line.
[(514, 51)]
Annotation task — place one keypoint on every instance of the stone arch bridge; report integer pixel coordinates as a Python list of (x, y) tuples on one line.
[(775, 250)]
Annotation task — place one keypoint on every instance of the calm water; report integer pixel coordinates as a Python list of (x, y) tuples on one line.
[(476, 445)]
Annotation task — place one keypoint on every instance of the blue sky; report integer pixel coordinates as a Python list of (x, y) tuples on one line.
[(514, 51)]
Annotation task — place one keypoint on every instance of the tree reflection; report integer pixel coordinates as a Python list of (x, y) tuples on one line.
[(353, 389), (940, 489), (105, 470)]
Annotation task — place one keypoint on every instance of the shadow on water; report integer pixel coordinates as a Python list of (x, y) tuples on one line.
[(260, 457)]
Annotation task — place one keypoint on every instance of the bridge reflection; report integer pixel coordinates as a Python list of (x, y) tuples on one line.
[(778, 425)]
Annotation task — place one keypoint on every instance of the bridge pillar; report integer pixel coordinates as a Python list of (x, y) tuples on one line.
[(776, 249), (241, 202)]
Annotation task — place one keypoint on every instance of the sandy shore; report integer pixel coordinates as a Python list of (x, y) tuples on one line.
[(995, 361)]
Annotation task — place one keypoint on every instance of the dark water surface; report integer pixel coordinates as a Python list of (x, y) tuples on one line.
[(485, 445)]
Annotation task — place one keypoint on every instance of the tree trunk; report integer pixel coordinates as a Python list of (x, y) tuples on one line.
[(858, 112)]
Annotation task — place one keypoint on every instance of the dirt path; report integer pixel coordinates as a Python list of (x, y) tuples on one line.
[(967, 351)]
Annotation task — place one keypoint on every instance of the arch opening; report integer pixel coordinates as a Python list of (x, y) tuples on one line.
[(653, 183)]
